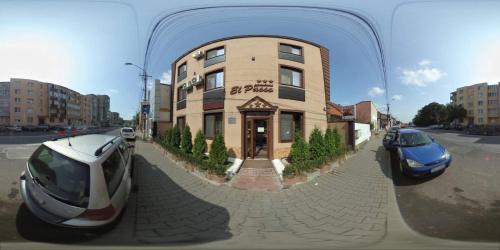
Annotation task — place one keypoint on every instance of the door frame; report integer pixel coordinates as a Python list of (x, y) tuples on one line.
[(269, 132)]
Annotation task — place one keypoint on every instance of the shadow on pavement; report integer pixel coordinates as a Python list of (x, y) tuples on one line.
[(165, 214), (168, 214)]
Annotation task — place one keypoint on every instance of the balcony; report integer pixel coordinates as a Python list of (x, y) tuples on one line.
[(291, 57), (291, 93), (214, 99), (215, 60)]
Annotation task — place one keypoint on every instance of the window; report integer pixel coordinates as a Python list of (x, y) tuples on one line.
[(291, 49), (479, 111), (461, 91), (291, 76), (213, 53), (290, 123), (17, 100), (182, 69), (461, 98), (480, 120), (182, 72), (29, 111), (212, 124), (480, 103), (124, 150), (30, 92), (17, 109), (61, 176), (181, 94), (113, 169), (30, 119), (181, 122), (30, 101), (17, 91), (214, 80)]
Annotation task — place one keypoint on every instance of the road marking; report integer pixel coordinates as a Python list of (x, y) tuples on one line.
[(19, 152)]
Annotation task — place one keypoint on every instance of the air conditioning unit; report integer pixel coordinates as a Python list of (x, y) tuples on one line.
[(198, 54), (197, 80)]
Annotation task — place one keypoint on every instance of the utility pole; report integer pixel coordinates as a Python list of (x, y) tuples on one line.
[(144, 116)]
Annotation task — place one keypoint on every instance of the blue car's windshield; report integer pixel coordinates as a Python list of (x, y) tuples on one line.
[(414, 139)]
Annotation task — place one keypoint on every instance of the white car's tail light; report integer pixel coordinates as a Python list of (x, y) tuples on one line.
[(98, 214)]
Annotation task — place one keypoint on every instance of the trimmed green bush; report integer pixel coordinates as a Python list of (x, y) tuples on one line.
[(316, 145), (218, 152), (200, 145), (186, 140), (299, 153), (330, 148), (336, 137), (175, 140)]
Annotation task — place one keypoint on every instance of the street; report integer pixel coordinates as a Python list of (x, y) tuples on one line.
[(462, 203), (348, 208)]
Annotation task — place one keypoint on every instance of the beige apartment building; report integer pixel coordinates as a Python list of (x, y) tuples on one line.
[(28, 102), (258, 91), (482, 102)]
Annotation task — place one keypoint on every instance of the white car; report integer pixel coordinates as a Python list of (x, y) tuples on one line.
[(128, 133), (82, 181)]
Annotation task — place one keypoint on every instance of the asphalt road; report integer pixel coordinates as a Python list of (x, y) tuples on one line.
[(463, 202)]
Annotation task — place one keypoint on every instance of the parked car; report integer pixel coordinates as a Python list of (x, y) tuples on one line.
[(82, 181), (388, 140), (42, 127), (29, 128), (128, 133), (476, 130), (419, 154), (14, 128)]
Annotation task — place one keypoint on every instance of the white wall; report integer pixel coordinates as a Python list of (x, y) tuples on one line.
[(363, 132)]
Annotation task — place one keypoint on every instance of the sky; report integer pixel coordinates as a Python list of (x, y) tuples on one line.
[(430, 48)]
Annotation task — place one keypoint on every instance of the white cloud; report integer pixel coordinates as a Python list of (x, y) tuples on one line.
[(424, 62), (397, 97), (375, 91), (422, 75), (487, 63), (113, 91), (166, 77)]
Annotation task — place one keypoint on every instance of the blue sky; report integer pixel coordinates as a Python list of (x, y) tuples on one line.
[(435, 47)]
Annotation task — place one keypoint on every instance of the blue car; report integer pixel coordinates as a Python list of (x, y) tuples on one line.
[(419, 154)]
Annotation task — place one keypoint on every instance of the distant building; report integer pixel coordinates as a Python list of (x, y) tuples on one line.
[(366, 112), (4, 103), (115, 119), (31, 102), (103, 110), (160, 108), (482, 102), (28, 102)]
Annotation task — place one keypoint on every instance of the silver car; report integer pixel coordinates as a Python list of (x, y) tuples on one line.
[(128, 133), (82, 181)]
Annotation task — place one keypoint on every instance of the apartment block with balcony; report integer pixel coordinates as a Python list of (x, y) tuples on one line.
[(4, 103), (28, 102), (481, 102)]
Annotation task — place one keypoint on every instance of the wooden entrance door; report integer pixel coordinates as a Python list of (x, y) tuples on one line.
[(258, 137)]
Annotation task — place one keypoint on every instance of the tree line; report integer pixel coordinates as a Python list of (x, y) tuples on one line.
[(436, 113)]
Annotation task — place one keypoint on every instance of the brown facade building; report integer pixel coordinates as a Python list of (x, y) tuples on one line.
[(257, 91)]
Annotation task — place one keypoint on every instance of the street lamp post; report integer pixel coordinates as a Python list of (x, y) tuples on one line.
[(144, 76)]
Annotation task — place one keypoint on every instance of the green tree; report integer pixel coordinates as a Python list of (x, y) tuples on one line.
[(186, 140), (432, 113), (218, 152), (167, 140), (200, 145), (299, 153), (316, 145), (456, 113), (175, 140), (330, 143)]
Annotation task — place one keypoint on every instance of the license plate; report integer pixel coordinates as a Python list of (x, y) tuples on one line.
[(437, 169)]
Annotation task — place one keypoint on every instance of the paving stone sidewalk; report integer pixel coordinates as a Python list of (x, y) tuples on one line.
[(341, 209)]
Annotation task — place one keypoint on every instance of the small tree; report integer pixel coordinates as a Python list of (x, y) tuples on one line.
[(372, 125), (176, 137), (186, 140), (200, 145), (316, 145), (330, 148), (336, 139), (218, 152), (299, 153), (168, 137)]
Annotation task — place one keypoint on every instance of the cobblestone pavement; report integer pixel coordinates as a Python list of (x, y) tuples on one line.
[(257, 174), (345, 208)]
